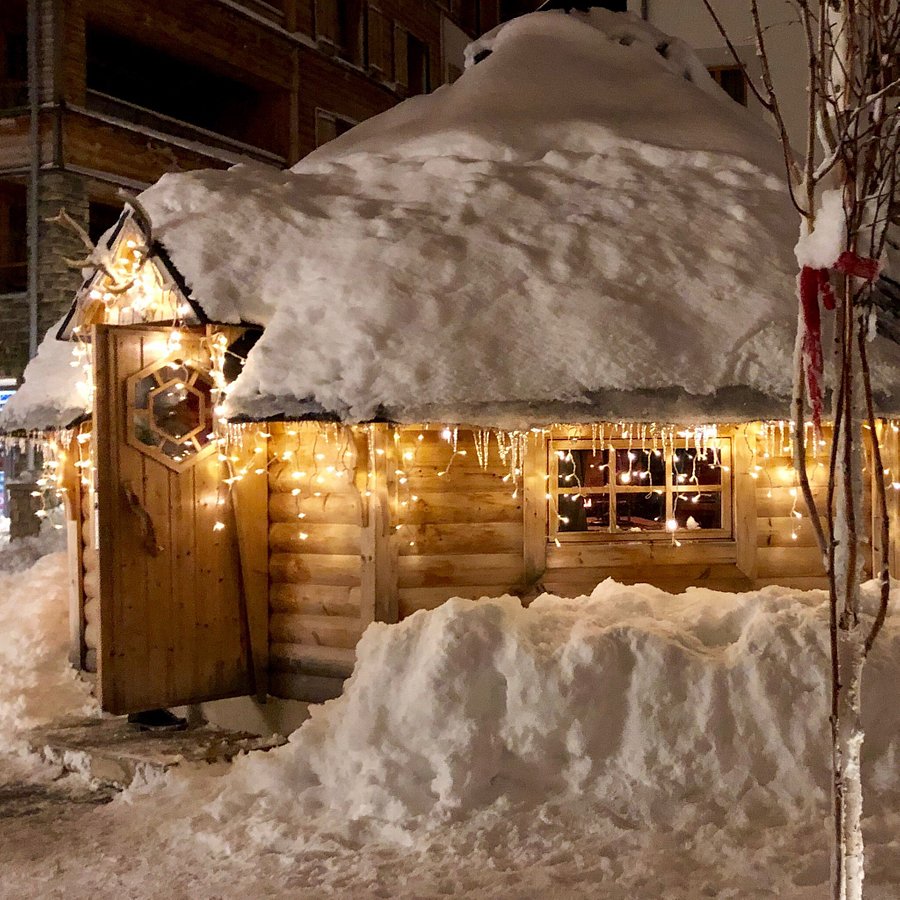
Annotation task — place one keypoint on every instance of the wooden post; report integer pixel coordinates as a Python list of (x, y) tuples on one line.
[(71, 481), (744, 511), (891, 461), (379, 599), (534, 509), (250, 497)]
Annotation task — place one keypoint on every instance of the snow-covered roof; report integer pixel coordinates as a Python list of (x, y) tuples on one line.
[(53, 395), (583, 226)]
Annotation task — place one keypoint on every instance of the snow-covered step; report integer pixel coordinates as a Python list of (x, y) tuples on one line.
[(112, 752)]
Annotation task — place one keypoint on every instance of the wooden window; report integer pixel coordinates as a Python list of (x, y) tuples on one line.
[(469, 15), (351, 32), (401, 56), (329, 125), (13, 238), (731, 79), (627, 492), (13, 70), (381, 41), (326, 20), (171, 411)]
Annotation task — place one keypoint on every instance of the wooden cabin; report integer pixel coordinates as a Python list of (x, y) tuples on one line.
[(212, 559), (216, 554)]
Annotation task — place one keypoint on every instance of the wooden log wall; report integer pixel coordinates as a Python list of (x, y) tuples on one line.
[(460, 527), (787, 553), (90, 568), (393, 522), (890, 460), (317, 519), (386, 529)]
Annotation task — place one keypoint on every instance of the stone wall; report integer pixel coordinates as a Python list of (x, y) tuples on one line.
[(57, 281)]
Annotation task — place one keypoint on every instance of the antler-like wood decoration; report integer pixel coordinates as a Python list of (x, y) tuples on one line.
[(95, 256)]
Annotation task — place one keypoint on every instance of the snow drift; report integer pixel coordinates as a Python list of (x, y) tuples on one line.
[(629, 712), (38, 684)]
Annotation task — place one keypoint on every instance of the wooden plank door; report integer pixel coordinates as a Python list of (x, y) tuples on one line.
[(173, 621)]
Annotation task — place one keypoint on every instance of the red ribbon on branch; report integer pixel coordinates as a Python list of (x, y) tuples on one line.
[(811, 285)]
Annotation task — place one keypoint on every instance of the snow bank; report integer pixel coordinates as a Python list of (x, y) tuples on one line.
[(629, 710), (50, 396), (37, 684), (565, 232)]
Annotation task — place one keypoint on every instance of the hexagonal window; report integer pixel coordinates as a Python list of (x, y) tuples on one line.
[(172, 410)]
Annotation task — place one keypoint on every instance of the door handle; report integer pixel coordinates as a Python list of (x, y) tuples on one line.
[(148, 529)]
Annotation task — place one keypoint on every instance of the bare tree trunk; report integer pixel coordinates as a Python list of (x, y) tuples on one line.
[(853, 82)]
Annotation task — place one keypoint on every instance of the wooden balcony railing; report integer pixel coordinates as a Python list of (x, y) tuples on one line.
[(115, 109)]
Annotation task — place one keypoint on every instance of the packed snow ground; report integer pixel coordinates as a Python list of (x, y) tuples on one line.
[(628, 744)]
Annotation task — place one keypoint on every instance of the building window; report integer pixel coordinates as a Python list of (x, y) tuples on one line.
[(627, 492), (351, 31), (101, 217), (329, 125), (13, 238), (731, 79), (13, 59), (417, 77)]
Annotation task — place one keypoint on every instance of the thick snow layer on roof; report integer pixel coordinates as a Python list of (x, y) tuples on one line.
[(50, 396), (583, 226)]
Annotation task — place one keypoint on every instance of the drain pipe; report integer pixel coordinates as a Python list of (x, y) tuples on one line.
[(35, 172)]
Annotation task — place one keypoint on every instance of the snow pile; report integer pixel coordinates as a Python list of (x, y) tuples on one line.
[(629, 706), (562, 233), (37, 684), (23, 553), (50, 395)]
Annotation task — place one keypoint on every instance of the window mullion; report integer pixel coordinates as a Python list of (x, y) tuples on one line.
[(670, 475), (613, 477)]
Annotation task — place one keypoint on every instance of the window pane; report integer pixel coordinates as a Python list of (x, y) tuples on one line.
[(640, 467), (694, 512), (580, 513), (582, 468), (641, 512), (689, 467)]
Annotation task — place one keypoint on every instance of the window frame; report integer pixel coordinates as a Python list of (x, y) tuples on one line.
[(612, 489), (717, 72)]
